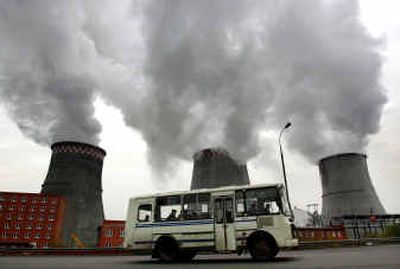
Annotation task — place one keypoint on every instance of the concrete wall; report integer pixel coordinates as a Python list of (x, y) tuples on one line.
[(215, 168), (75, 173), (347, 187)]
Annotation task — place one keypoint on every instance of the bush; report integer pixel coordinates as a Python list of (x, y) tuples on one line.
[(393, 230)]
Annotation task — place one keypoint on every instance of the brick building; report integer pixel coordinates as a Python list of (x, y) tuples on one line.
[(31, 219), (112, 234)]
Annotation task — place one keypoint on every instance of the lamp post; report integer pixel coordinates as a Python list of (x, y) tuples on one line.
[(283, 165)]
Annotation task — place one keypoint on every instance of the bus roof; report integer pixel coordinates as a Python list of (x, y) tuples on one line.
[(226, 188)]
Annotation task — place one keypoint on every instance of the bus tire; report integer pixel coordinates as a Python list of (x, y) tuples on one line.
[(167, 249), (187, 256), (262, 246)]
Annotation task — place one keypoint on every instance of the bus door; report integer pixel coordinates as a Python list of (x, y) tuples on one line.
[(224, 228)]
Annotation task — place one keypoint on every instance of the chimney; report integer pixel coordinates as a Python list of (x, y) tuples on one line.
[(214, 167), (346, 187), (75, 173)]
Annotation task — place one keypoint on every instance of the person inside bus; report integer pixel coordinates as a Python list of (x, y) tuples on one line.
[(253, 208), (172, 215)]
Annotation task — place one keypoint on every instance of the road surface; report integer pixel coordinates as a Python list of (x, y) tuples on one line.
[(384, 256)]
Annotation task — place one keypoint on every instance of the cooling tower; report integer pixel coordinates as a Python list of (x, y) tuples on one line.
[(347, 187), (75, 173), (214, 167)]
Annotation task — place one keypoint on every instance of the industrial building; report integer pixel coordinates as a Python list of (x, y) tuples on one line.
[(31, 219), (75, 173), (347, 188), (112, 234), (214, 167)]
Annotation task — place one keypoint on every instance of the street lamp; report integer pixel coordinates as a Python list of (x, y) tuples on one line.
[(283, 165)]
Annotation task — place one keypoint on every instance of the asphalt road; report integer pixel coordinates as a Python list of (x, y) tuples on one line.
[(385, 256)]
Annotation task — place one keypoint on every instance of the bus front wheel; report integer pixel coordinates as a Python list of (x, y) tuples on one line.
[(262, 248), (187, 256)]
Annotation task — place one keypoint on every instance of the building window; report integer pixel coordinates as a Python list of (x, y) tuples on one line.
[(42, 208), (108, 244), (22, 208), (31, 216), (39, 226), (49, 226), (1, 207), (17, 226), (7, 225), (27, 235), (122, 233), (52, 217), (15, 235), (12, 207), (54, 201), (20, 216), (23, 200), (41, 218), (29, 226), (8, 217), (109, 232), (53, 209), (37, 235), (44, 200), (33, 208), (4, 235), (34, 201), (47, 236), (13, 200)]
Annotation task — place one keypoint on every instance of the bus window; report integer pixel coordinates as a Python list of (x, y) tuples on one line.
[(229, 210), (262, 201), (168, 208), (144, 213), (218, 211), (196, 206), (284, 205), (240, 205), (271, 207)]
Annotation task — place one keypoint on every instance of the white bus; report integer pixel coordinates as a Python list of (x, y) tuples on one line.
[(175, 226)]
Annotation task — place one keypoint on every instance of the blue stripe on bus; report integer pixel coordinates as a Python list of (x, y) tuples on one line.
[(174, 223), (180, 241), (184, 223)]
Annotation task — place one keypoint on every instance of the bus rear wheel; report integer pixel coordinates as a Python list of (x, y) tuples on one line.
[(167, 249), (262, 249)]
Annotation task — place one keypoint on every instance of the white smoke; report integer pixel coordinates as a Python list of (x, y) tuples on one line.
[(192, 74)]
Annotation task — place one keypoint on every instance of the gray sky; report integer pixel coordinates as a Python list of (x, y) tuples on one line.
[(134, 164)]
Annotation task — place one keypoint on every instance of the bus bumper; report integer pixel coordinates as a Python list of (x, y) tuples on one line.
[(292, 243)]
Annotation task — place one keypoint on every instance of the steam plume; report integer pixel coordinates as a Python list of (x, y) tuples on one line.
[(193, 74)]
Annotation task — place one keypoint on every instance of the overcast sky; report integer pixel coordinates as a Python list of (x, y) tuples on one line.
[(134, 163)]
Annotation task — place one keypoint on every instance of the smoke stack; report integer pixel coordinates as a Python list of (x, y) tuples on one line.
[(75, 173), (214, 167), (347, 187)]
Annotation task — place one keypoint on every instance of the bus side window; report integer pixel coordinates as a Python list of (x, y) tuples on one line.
[(168, 208), (196, 206), (144, 213)]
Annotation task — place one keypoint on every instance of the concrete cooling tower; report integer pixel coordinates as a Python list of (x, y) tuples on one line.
[(75, 173), (347, 187), (214, 167)]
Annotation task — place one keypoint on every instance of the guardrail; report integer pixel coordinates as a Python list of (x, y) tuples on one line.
[(348, 242)]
